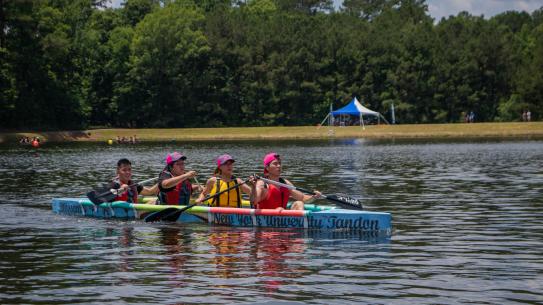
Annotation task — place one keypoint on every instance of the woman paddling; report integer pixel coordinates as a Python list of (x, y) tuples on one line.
[(223, 178), (269, 196), (173, 183)]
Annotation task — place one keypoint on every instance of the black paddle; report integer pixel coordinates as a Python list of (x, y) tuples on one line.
[(172, 214), (106, 194), (342, 200)]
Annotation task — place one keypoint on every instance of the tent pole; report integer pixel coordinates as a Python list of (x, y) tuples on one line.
[(324, 121)]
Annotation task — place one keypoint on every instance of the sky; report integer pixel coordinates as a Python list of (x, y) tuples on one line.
[(488, 8), (445, 8)]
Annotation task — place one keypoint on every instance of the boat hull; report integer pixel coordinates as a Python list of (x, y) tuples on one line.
[(316, 218)]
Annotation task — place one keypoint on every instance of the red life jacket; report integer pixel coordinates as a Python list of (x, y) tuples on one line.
[(277, 197), (129, 196), (179, 195)]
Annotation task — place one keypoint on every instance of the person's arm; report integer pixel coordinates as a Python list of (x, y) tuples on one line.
[(149, 191), (297, 195), (120, 188), (258, 192), (207, 189), (172, 182), (244, 187), (197, 187)]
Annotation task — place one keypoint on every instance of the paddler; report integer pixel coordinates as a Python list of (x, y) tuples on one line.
[(126, 189), (174, 183), (269, 196), (222, 179)]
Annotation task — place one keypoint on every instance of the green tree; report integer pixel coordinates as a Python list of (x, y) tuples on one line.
[(169, 51)]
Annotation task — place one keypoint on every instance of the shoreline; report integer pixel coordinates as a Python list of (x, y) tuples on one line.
[(456, 130)]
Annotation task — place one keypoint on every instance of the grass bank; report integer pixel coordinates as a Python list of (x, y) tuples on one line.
[(499, 130)]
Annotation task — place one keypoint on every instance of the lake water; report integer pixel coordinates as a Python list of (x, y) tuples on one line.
[(467, 228)]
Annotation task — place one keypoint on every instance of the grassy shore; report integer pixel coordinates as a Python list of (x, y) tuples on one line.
[(505, 130)]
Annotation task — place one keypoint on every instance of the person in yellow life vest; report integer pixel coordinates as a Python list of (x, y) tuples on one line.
[(222, 180)]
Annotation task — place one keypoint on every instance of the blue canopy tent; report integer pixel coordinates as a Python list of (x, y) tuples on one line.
[(354, 108)]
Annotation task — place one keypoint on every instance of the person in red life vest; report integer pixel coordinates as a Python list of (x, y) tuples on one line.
[(126, 189), (268, 196), (223, 179), (173, 183)]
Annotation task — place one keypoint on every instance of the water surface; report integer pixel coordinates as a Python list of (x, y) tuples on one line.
[(467, 218)]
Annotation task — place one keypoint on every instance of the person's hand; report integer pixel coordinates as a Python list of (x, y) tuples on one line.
[(253, 179), (191, 174), (199, 200), (122, 189), (317, 195)]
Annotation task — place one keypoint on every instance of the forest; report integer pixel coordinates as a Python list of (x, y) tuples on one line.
[(70, 64)]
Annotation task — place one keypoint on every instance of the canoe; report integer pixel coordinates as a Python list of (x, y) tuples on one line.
[(314, 217)]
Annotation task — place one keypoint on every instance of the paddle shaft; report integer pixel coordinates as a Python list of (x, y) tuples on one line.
[(344, 200), (131, 185), (174, 215), (288, 186)]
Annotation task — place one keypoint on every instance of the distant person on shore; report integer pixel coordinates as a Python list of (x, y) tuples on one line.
[(466, 117), (528, 116), (118, 140), (524, 116), (269, 196), (174, 183), (472, 117), (135, 139), (126, 189), (224, 178)]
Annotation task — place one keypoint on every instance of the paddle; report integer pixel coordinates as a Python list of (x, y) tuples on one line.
[(341, 200), (108, 195), (172, 214)]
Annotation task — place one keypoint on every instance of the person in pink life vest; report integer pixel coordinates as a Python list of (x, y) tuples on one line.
[(174, 183), (268, 196)]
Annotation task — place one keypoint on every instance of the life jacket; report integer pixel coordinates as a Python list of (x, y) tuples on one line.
[(179, 195), (231, 199), (277, 197), (129, 196)]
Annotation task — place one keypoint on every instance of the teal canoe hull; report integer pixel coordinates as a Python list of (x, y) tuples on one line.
[(320, 218)]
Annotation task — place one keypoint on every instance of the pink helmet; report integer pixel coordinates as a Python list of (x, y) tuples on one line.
[(171, 158)]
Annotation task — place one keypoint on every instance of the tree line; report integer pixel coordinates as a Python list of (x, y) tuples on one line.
[(68, 64)]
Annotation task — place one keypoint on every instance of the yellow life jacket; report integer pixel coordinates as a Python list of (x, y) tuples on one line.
[(231, 199)]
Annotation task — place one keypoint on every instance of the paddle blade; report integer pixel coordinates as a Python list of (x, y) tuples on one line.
[(97, 199), (173, 216), (159, 215), (345, 201)]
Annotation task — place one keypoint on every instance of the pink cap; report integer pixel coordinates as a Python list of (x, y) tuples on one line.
[(269, 158), (221, 160), (171, 158)]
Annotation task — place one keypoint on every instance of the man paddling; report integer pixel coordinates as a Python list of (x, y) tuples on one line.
[(269, 196), (126, 189), (173, 182)]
